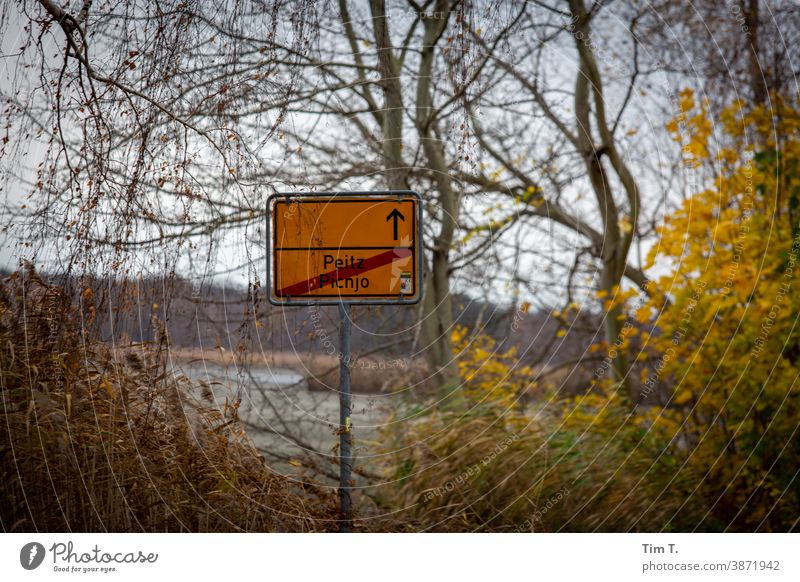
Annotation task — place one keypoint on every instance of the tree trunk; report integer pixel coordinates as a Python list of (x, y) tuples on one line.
[(757, 81), (616, 240), (437, 308)]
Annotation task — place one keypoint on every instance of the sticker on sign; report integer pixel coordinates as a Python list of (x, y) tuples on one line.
[(329, 248)]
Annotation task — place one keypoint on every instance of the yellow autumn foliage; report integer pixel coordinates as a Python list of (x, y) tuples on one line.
[(726, 315), (711, 443)]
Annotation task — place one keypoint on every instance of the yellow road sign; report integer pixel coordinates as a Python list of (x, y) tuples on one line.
[(351, 247)]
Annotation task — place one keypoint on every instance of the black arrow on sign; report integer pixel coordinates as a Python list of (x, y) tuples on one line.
[(395, 214)]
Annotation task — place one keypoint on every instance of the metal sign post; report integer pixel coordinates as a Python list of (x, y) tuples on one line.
[(345, 434), (344, 248)]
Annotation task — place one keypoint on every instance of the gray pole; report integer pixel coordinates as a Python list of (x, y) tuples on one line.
[(345, 435)]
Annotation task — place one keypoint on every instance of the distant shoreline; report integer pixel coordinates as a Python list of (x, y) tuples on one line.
[(368, 375)]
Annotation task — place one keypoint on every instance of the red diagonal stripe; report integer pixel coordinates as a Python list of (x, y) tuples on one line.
[(304, 287)]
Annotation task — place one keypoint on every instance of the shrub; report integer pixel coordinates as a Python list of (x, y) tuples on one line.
[(726, 318), (580, 464)]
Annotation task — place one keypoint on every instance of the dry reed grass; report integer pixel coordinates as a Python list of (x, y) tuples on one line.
[(490, 470), (92, 441)]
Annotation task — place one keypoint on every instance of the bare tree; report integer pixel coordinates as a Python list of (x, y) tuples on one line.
[(135, 114), (583, 140), (396, 86)]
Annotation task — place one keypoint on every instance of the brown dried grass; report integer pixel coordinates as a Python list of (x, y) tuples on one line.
[(97, 440)]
